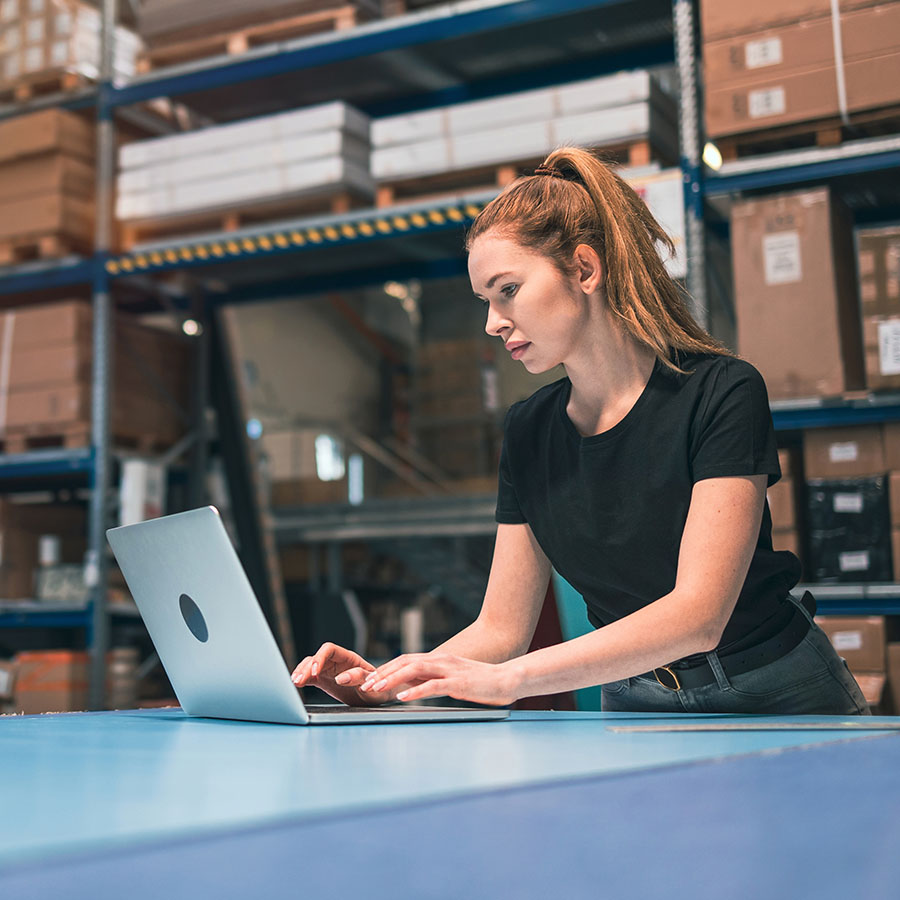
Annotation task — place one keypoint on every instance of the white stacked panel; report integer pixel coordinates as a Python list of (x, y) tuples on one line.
[(594, 112), (308, 151)]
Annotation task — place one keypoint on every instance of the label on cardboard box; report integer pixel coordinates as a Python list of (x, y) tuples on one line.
[(781, 257), (769, 102), (34, 31), (889, 347), (846, 640), (766, 52), (8, 10), (848, 503), (845, 451), (854, 561)]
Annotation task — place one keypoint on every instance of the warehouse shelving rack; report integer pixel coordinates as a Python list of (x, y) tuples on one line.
[(445, 54)]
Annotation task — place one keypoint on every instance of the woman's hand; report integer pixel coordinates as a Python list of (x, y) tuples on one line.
[(417, 676), (340, 673)]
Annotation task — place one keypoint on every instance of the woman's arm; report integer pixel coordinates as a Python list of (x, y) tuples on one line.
[(512, 604), (717, 545)]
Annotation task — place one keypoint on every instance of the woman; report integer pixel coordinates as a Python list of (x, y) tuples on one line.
[(641, 476)]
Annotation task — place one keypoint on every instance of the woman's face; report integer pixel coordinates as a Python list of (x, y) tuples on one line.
[(539, 313)]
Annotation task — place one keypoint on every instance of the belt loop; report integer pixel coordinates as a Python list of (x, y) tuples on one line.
[(716, 665), (801, 605)]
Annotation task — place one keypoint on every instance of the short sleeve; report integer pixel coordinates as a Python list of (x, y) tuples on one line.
[(508, 510), (735, 434)]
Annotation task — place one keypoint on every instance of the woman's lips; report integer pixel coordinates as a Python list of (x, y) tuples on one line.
[(518, 349)]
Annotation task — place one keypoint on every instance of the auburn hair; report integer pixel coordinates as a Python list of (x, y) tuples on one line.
[(575, 198)]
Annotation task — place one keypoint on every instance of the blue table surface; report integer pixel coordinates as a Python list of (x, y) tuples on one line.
[(85, 783)]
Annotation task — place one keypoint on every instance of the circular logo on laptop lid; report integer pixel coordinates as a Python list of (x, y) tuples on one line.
[(193, 618)]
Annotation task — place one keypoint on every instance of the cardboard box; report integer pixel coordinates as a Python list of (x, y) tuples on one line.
[(891, 438), (878, 263), (861, 640), (800, 96), (307, 491), (45, 174), (795, 293), (51, 681), (771, 53), (50, 130), (782, 505), (21, 526), (721, 18), (894, 498), (893, 673), (47, 214), (787, 540), (895, 553), (881, 346), (846, 452), (849, 530)]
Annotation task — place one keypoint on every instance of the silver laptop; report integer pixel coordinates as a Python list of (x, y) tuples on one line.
[(212, 637)]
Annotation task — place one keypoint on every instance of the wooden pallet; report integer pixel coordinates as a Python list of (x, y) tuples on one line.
[(635, 153), (239, 40), (828, 132), (38, 84), (24, 248), (71, 436), (183, 227)]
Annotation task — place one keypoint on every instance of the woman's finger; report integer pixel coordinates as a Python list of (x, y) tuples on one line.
[(299, 675), (420, 668), (353, 677), (436, 687), (395, 665)]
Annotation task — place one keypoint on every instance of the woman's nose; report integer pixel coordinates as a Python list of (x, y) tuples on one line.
[(495, 323)]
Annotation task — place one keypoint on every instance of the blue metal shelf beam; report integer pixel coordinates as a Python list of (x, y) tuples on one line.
[(782, 176), (33, 277), (405, 33), (832, 416), (47, 462)]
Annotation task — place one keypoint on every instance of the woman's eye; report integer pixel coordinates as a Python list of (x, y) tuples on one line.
[(509, 289)]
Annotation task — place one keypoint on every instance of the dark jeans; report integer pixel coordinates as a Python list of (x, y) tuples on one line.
[(810, 679)]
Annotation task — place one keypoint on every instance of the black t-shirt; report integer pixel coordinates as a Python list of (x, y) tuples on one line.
[(609, 510)]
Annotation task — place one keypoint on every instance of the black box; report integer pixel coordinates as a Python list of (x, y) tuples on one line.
[(849, 530)]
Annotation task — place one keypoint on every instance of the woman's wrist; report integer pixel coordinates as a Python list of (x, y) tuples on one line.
[(513, 677)]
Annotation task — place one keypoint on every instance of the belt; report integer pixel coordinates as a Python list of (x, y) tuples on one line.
[(676, 679)]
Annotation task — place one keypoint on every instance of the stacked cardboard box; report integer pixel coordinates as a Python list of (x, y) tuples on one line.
[(58, 680), (164, 24), (878, 258), (321, 149), (784, 504), (47, 353), (293, 471), (456, 403), (524, 125), (848, 508), (860, 641), (42, 37), (891, 433), (893, 673), (795, 293), (46, 180), (21, 528), (776, 63)]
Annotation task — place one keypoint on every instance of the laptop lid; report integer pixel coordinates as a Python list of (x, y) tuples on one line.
[(212, 637)]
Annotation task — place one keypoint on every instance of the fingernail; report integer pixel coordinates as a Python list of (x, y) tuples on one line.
[(381, 685), (342, 679), (402, 695), (315, 668)]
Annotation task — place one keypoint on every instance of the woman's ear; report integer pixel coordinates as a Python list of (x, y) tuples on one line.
[(589, 268)]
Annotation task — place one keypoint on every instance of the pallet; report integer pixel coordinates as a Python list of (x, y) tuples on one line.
[(239, 40), (73, 436), (39, 84), (639, 152), (828, 132), (24, 248), (183, 227)]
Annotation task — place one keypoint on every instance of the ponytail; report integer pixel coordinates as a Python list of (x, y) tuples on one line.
[(574, 198)]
